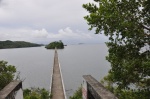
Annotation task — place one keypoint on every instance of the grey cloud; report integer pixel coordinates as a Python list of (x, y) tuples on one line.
[(43, 36), (45, 20), (43, 13)]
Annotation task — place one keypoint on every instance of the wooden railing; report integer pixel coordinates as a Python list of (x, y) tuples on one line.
[(92, 89), (12, 91)]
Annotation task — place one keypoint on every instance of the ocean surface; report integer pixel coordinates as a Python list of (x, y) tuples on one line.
[(35, 64)]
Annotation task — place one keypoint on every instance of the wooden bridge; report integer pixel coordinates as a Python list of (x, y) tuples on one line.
[(57, 86)]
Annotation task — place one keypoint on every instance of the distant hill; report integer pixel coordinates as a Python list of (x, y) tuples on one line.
[(17, 44), (57, 44)]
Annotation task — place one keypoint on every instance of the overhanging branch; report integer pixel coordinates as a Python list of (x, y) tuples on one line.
[(145, 27)]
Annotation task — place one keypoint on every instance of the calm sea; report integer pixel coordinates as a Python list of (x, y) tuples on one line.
[(35, 64)]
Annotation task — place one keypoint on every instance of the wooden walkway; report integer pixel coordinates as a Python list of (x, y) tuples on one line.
[(57, 90)]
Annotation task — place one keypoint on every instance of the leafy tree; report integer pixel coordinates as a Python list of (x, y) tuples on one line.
[(127, 24), (35, 93), (7, 73), (77, 94), (44, 94), (55, 44)]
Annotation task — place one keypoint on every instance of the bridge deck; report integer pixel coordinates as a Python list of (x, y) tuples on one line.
[(57, 85)]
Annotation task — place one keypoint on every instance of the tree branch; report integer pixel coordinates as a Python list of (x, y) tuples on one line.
[(145, 27)]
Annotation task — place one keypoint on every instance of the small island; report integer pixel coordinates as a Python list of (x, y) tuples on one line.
[(56, 44), (17, 44)]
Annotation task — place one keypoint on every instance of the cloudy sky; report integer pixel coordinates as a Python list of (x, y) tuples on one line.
[(43, 21)]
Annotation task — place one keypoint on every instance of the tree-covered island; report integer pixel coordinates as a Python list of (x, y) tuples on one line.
[(56, 44), (16, 44)]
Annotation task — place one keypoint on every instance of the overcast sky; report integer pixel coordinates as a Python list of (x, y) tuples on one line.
[(43, 21)]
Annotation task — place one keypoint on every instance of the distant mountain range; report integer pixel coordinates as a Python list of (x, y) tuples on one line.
[(17, 44)]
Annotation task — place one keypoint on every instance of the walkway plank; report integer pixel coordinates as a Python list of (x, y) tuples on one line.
[(57, 86)]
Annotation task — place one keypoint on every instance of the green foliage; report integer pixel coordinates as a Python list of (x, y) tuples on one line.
[(36, 93), (77, 94), (129, 94), (127, 24), (56, 44), (51, 95), (16, 44), (7, 73)]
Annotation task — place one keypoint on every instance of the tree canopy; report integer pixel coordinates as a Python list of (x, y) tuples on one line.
[(127, 24), (36, 93), (77, 94), (7, 73), (16, 44), (55, 44)]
